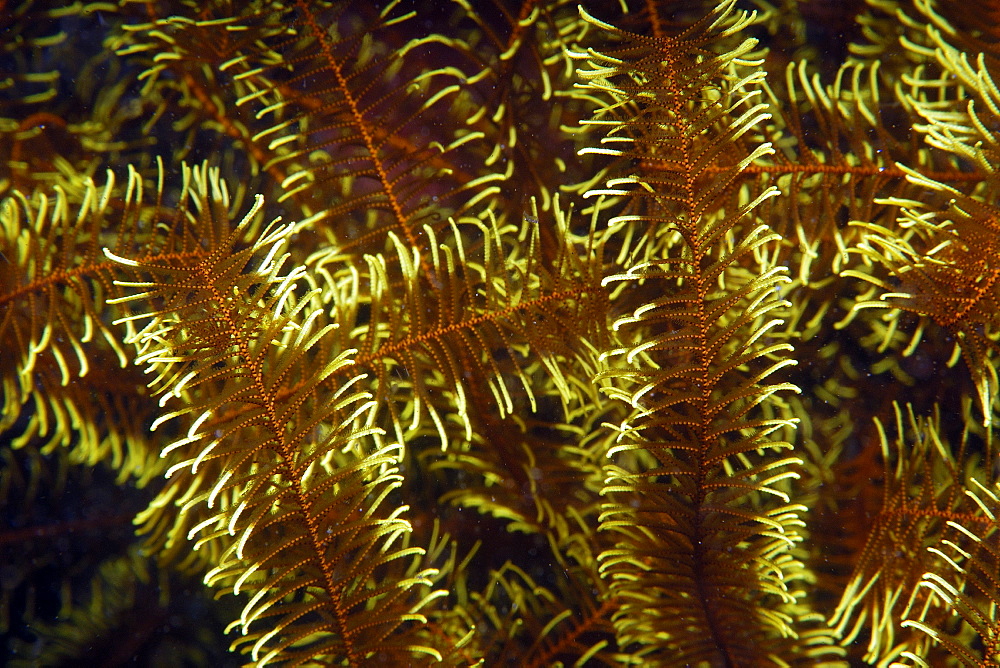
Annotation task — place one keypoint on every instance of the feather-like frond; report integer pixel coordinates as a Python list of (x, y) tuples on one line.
[(696, 497), (940, 253), (353, 146), (53, 285), (279, 473), (497, 304), (943, 268), (536, 626), (938, 510), (515, 382), (969, 590), (512, 63)]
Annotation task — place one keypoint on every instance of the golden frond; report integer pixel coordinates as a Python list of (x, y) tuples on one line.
[(696, 497), (942, 267), (278, 470), (969, 590), (499, 304), (936, 502), (618, 335), (54, 283)]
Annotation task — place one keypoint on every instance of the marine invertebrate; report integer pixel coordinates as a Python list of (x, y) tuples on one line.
[(471, 334)]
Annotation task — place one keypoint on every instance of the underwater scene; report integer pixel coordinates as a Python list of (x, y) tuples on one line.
[(499, 333)]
